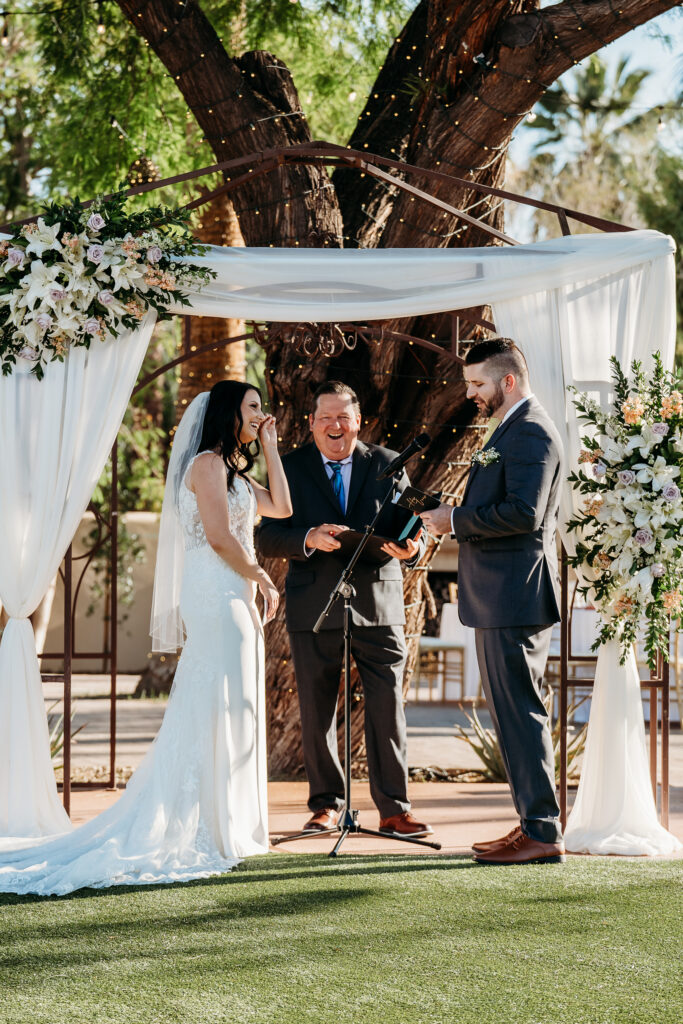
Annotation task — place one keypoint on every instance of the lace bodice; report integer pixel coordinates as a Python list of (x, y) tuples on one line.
[(242, 507)]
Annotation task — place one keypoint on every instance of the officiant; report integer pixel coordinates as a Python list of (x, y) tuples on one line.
[(334, 487)]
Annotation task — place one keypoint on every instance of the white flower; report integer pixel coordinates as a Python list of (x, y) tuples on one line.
[(154, 254), (39, 280), (43, 237), (15, 258), (95, 253), (658, 474), (28, 352), (96, 222), (657, 569), (645, 441)]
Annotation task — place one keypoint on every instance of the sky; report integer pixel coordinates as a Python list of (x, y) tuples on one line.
[(646, 51)]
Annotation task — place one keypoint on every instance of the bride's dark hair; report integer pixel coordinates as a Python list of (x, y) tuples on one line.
[(223, 425)]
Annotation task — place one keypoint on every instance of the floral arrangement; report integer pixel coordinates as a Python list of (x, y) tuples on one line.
[(79, 275), (630, 552), (485, 457)]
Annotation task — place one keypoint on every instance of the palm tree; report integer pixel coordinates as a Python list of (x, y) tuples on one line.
[(593, 145)]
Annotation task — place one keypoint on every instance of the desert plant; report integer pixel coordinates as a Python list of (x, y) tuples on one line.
[(55, 724), (485, 742)]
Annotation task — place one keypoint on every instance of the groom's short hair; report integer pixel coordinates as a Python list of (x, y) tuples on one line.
[(502, 357), (336, 387)]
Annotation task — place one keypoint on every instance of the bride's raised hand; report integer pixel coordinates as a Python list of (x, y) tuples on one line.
[(268, 432), (271, 597)]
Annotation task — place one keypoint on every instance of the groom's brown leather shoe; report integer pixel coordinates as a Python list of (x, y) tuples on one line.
[(493, 844), (524, 850), (326, 817), (404, 825)]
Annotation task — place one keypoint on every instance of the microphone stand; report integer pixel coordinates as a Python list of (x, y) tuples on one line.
[(350, 824)]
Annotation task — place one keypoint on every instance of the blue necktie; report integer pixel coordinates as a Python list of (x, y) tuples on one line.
[(338, 484)]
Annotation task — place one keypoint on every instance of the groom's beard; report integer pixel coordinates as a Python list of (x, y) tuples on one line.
[(495, 402)]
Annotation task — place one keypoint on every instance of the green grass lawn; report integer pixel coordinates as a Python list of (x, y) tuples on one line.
[(391, 939)]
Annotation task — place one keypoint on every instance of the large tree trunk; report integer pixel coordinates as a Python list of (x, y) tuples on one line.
[(458, 79), (218, 225)]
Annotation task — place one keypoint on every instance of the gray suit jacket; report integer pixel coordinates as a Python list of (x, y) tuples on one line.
[(505, 526), (310, 580)]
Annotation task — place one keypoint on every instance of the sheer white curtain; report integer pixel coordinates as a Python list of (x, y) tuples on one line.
[(55, 438), (354, 284), (568, 335)]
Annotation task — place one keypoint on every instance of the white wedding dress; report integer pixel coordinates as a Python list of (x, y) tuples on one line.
[(197, 803)]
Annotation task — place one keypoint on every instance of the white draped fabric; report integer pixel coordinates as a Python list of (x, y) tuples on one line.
[(570, 303), (56, 435)]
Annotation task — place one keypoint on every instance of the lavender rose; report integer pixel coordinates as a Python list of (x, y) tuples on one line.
[(57, 293), (657, 569), (44, 320), (626, 477), (16, 257), (660, 429), (28, 352), (95, 253), (96, 222), (670, 492), (154, 254), (599, 469), (644, 537), (92, 326), (105, 297)]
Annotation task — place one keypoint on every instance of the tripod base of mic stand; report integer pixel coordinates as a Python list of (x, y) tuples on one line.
[(351, 826), (310, 833)]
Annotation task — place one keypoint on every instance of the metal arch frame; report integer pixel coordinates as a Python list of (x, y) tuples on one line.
[(327, 154)]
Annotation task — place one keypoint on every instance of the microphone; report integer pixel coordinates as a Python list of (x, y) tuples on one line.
[(397, 464)]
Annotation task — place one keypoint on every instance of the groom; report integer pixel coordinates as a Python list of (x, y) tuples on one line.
[(333, 485), (508, 586)]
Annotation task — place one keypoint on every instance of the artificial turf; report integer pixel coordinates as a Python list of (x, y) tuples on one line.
[(391, 939)]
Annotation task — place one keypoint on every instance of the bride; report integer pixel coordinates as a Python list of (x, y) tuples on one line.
[(198, 802)]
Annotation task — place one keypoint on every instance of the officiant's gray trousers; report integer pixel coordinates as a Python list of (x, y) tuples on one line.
[(379, 653), (512, 661)]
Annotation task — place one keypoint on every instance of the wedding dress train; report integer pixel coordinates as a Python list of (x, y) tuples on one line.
[(197, 804)]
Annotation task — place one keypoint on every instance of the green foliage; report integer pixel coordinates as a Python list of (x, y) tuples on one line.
[(594, 149), (661, 205), (80, 107)]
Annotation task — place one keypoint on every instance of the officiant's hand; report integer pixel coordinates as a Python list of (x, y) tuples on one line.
[(323, 537), (404, 551), (438, 520)]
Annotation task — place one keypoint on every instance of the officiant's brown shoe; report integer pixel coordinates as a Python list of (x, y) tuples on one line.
[(326, 817), (493, 844), (405, 825), (524, 850)]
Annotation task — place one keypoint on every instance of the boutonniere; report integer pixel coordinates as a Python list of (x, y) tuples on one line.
[(485, 456)]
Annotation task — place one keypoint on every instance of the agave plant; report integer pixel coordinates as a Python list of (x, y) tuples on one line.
[(485, 742), (55, 724)]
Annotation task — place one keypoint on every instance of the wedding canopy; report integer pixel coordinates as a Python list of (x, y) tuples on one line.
[(570, 303)]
